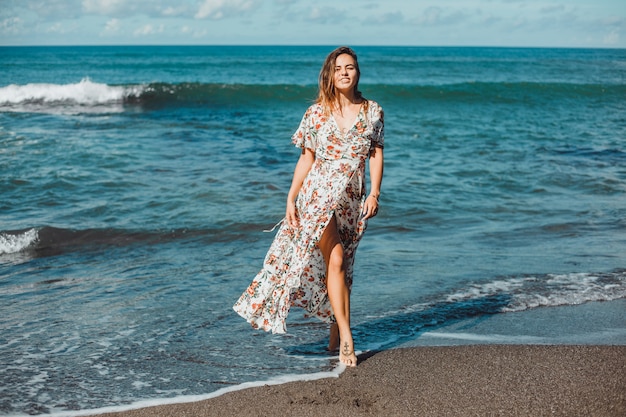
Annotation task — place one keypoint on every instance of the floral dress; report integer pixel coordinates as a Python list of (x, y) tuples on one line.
[(294, 271)]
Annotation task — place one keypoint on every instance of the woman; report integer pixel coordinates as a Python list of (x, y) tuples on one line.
[(310, 262)]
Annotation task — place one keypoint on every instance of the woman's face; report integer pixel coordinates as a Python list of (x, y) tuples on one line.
[(346, 75)]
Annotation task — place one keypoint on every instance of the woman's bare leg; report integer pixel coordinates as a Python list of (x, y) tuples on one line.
[(333, 339), (338, 291)]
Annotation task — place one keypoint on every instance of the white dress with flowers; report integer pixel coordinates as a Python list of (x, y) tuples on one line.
[(294, 271)]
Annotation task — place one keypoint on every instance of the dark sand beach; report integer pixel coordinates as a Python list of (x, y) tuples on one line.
[(486, 380)]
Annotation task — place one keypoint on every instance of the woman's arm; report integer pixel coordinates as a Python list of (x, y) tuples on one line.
[(307, 157), (376, 162)]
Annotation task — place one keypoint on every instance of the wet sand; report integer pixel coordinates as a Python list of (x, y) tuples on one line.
[(485, 380)]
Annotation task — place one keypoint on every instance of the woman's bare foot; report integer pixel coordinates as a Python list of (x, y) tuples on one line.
[(333, 341), (346, 354)]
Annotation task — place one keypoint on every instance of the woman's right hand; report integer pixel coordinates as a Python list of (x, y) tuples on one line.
[(292, 214), (305, 162)]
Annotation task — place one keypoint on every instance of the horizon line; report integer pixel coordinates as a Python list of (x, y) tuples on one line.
[(308, 46)]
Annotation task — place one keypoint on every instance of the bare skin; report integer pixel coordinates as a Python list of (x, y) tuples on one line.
[(345, 113), (338, 291)]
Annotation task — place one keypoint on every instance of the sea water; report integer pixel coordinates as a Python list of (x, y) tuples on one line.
[(137, 182)]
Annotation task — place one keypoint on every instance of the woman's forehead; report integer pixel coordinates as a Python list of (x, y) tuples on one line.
[(344, 59)]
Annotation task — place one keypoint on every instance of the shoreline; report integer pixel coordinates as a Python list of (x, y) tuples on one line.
[(511, 380)]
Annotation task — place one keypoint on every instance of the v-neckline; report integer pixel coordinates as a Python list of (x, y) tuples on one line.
[(354, 123)]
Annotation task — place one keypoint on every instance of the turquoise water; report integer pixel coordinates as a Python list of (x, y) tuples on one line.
[(137, 182)]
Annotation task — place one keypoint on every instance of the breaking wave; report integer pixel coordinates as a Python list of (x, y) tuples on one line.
[(18, 242), (88, 96)]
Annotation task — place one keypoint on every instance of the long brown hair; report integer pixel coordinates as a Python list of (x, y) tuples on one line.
[(326, 95)]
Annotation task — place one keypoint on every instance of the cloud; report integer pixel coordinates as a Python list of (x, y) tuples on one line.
[(11, 25), (148, 29), (195, 33), (326, 15), (612, 38), (436, 16), (57, 28), (491, 20), (220, 9), (56, 8), (106, 7), (111, 27), (174, 11), (614, 25), (385, 18), (150, 8), (547, 19), (552, 8)]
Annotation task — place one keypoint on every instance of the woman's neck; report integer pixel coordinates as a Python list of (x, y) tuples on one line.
[(345, 100)]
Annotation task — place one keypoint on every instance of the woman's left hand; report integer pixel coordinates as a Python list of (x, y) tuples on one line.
[(370, 208)]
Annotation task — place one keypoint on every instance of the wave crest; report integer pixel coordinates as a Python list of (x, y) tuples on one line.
[(549, 290), (88, 96), (66, 98), (18, 242)]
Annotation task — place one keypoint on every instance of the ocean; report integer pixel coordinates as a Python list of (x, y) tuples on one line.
[(137, 183)]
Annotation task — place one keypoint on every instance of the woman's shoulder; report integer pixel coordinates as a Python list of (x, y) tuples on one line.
[(374, 105), (314, 109), (373, 108)]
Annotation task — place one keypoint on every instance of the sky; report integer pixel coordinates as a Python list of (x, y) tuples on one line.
[(526, 23)]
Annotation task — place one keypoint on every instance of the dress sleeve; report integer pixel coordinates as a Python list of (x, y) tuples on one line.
[(378, 126), (306, 134)]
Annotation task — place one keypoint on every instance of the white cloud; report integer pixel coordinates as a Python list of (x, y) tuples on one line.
[(148, 29), (57, 28), (326, 15), (11, 25), (55, 9), (220, 9), (105, 7), (612, 38), (127, 8), (174, 11), (111, 27), (552, 8), (194, 33), (437, 16), (385, 18), (490, 20)]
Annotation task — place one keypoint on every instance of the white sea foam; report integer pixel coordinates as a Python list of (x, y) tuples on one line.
[(511, 294), (550, 290), (10, 243), (603, 337), (487, 338), (283, 379), (85, 96)]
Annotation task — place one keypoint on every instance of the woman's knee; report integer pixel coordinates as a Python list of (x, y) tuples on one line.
[(336, 259)]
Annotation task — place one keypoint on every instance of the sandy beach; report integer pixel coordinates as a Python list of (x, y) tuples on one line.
[(486, 380)]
